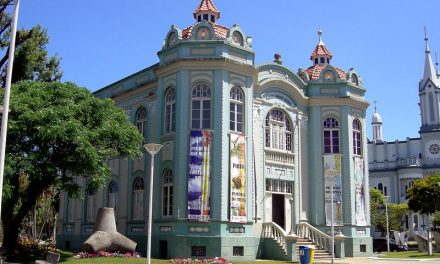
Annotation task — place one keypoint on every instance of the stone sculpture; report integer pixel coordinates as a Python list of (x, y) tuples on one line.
[(106, 237)]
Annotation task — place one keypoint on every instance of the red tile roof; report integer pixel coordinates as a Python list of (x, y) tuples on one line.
[(207, 5), (320, 49), (315, 71), (220, 31)]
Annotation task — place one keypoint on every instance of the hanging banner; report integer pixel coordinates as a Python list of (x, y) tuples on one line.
[(238, 178), (333, 181), (359, 188), (199, 175)]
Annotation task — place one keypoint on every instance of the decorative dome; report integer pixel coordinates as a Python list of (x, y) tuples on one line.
[(376, 119)]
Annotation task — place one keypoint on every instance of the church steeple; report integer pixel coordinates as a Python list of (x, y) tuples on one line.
[(428, 88), (429, 72), (376, 123), (321, 55), (206, 11)]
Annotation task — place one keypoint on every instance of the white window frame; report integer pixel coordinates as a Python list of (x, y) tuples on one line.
[(141, 120), (236, 116), (201, 94), (331, 125), (278, 131), (112, 201), (167, 193), (138, 199), (170, 110)]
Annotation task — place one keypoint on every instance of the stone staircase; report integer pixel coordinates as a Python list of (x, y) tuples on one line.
[(307, 236), (320, 253)]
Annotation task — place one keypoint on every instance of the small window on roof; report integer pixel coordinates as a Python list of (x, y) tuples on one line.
[(322, 60), (212, 18), (205, 17), (316, 60), (199, 18), (328, 61)]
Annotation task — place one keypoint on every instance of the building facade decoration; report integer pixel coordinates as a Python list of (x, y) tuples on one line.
[(241, 142)]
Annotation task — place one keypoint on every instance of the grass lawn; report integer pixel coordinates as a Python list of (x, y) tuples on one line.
[(409, 254)]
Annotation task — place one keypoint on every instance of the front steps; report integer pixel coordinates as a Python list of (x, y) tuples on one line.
[(319, 253)]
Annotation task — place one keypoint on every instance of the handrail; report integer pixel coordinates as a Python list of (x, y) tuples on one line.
[(274, 231), (321, 239)]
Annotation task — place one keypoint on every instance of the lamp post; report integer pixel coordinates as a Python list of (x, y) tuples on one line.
[(332, 225), (386, 218), (153, 149), (5, 112)]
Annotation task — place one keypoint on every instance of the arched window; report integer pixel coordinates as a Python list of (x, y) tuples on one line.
[(141, 120), (201, 106), (331, 135), (237, 38), (113, 195), (91, 204), (236, 109), (167, 193), (138, 199), (354, 79), (380, 187), (278, 131), (357, 146), (170, 110)]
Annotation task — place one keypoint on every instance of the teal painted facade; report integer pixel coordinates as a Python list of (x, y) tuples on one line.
[(282, 112)]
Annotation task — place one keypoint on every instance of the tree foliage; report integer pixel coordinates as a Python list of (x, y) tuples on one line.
[(58, 131), (424, 195), (31, 59), (396, 212)]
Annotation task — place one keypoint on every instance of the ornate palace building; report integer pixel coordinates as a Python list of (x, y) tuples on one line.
[(394, 166), (253, 157)]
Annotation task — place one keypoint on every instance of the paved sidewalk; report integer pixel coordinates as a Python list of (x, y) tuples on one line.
[(376, 260)]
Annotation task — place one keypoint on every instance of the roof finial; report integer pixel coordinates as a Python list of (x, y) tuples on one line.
[(375, 106), (319, 35), (426, 41), (436, 64)]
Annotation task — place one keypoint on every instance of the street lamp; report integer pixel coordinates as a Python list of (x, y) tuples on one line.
[(5, 113), (386, 217), (332, 225), (153, 149)]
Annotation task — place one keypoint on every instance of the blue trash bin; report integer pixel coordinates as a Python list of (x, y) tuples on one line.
[(304, 256)]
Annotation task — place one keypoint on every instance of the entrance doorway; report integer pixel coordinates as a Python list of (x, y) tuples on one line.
[(163, 249), (278, 210)]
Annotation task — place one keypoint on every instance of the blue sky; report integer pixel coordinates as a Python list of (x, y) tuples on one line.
[(102, 41)]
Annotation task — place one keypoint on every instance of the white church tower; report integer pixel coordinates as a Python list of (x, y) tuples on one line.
[(376, 123), (429, 87)]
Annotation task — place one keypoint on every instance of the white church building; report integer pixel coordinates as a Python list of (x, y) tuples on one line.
[(394, 166)]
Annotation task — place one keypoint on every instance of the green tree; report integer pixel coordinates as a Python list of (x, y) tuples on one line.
[(58, 131), (31, 59), (396, 213), (424, 195)]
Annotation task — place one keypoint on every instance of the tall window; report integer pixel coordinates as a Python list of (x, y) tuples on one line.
[(278, 131), (357, 147), (138, 199), (167, 193), (170, 110), (141, 120), (236, 109), (331, 135), (71, 210), (91, 200), (113, 195), (201, 106)]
